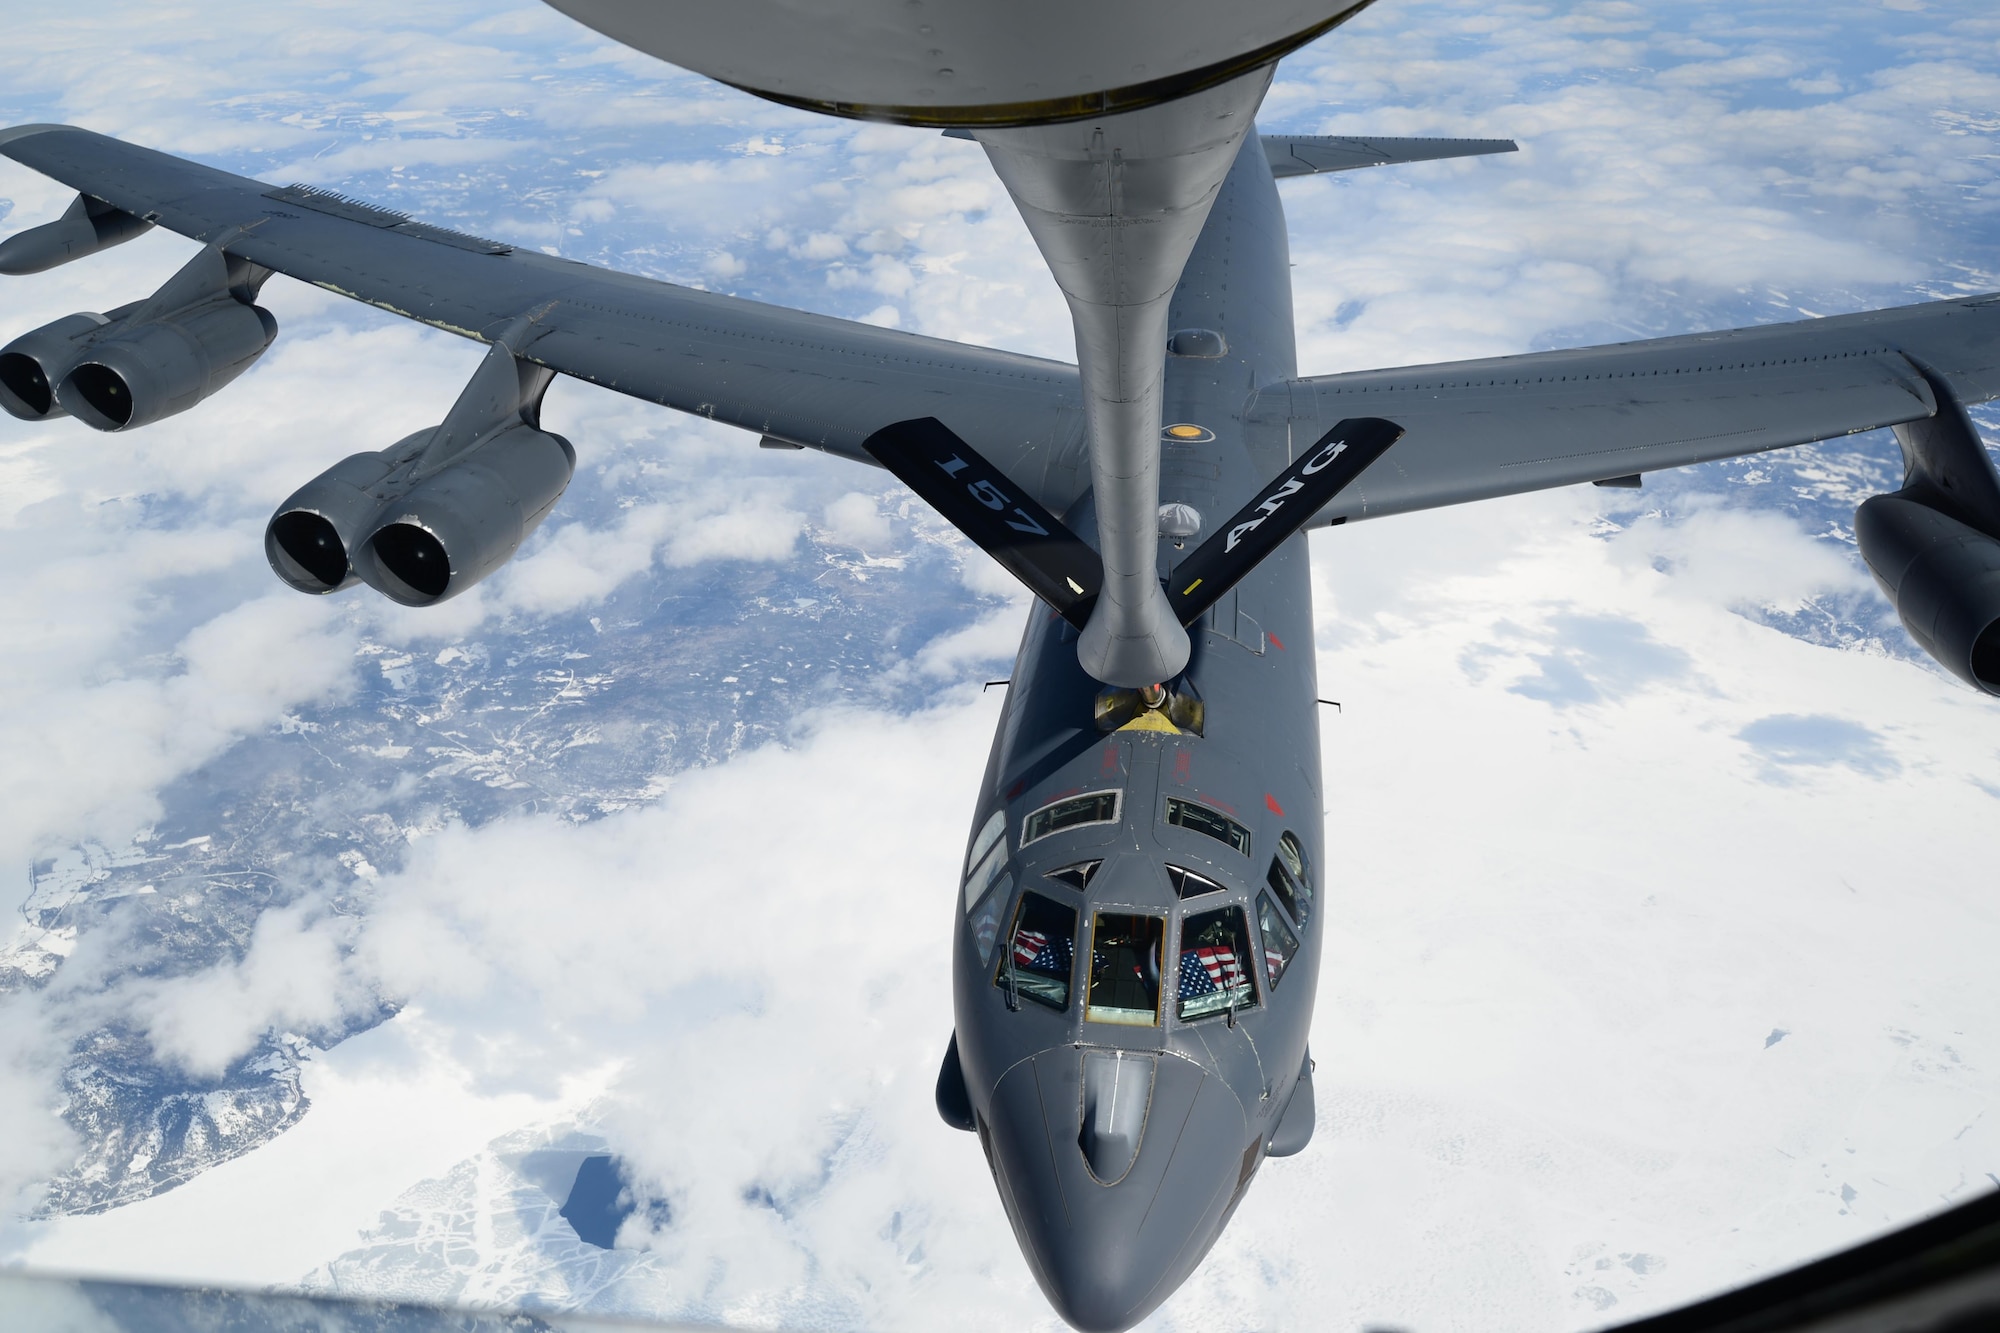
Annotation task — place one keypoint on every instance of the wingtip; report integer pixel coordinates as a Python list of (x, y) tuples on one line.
[(9, 135)]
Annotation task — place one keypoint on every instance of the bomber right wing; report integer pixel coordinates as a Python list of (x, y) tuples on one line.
[(1479, 429)]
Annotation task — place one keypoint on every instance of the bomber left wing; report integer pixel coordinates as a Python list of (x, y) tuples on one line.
[(792, 377), (1504, 425)]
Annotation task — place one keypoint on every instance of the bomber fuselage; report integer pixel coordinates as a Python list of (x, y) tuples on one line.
[(1138, 925)]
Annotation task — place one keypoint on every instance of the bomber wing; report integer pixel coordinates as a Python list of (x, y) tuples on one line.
[(1317, 154), (1478, 429), (792, 377)]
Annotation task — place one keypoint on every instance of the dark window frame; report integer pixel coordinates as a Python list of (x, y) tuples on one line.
[(1207, 820), (1157, 924), (1246, 944), (1192, 883), (1011, 979), (1028, 834), (1285, 932)]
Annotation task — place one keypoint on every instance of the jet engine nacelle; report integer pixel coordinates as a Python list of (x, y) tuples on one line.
[(164, 366), (426, 519), (1942, 577), (146, 360), (459, 525), (419, 538), (89, 226), (307, 541), (33, 364)]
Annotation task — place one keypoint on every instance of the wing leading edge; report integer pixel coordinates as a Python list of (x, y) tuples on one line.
[(1479, 429), (1316, 154), (801, 378), (1475, 429)]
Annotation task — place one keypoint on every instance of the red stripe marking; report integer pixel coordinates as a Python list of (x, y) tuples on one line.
[(1271, 804), (1276, 642)]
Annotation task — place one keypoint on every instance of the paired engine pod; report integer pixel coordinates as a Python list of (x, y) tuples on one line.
[(33, 364), (466, 520), (1942, 577), (137, 376), (309, 539)]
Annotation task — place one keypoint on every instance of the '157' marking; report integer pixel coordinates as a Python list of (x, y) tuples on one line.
[(995, 499)]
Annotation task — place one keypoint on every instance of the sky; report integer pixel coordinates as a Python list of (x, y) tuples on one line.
[(1661, 909)]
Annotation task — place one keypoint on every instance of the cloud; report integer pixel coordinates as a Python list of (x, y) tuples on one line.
[(756, 529), (289, 979), (857, 520), (1789, 740), (1570, 900), (101, 749), (1599, 657)]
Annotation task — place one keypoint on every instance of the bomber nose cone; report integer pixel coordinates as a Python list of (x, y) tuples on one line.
[(1116, 1168)]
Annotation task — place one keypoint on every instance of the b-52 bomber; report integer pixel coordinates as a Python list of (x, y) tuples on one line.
[(1137, 924)]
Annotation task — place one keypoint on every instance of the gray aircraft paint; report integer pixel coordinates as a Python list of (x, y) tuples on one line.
[(1477, 429), (967, 62), (1115, 204), (1053, 1091), (1109, 1254)]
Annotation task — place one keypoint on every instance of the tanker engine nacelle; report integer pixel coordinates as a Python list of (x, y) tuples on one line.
[(440, 510), (144, 361), (1934, 546)]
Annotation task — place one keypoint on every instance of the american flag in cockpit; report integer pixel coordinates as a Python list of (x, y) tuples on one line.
[(1209, 969), (1035, 951)]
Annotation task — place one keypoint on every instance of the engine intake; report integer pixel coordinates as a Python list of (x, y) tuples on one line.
[(1942, 577), (425, 520), (309, 539), (165, 366), (460, 524), (33, 364)]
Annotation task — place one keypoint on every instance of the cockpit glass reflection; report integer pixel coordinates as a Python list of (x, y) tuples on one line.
[(1036, 963), (989, 851), (1097, 807), (1283, 888), (1291, 880), (1215, 964), (1125, 969), (1279, 941), (1187, 884), (1210, 823), (1077, 876), (985, 918)]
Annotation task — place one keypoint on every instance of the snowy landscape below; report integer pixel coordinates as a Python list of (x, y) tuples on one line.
[(1661, 901)]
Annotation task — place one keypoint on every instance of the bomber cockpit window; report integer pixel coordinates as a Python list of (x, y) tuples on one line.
[(1036, 962), (1076, 876), (984, 919), (1213, 823), (1097, 807), (1297, 903), (1215, 973), (1187, 884), (989, 853), (1280, 944), (1290, 878), (1125, 969)]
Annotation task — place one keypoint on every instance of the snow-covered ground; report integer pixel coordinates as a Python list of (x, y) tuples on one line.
[(1661, 901)]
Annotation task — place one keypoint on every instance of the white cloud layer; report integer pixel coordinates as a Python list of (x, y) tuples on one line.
[(1659, 953)]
